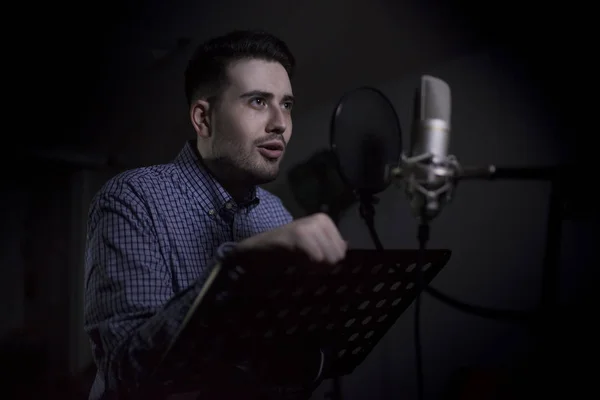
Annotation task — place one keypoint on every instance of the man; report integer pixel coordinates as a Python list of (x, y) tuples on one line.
[(155, 232)]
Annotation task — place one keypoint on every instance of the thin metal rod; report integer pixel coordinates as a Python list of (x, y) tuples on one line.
[(493, 172)]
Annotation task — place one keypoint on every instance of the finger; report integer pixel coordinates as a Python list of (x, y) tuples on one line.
[(328, 246), (335, 245), (320, 231), (336, 242), (318, 247), (309, 243)]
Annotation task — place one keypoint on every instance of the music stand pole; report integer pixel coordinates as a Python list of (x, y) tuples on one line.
[(336, 391)]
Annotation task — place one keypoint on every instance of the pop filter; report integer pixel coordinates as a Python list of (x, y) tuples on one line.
[(366, 139)]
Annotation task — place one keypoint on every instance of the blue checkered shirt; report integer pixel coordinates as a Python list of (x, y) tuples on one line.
[(153, 235)]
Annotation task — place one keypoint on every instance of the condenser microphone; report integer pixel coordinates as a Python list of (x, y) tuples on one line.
[(428, 171), (431, 120)]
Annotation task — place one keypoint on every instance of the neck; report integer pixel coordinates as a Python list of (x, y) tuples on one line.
[(238, 189)]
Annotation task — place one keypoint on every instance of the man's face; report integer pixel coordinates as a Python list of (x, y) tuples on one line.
[(252, 122)]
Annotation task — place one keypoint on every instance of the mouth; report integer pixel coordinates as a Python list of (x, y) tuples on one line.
[(271, 150)]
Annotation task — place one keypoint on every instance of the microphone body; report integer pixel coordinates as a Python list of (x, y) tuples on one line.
[(428, 172)]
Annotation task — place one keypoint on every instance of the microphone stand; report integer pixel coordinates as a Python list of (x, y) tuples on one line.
[(556, 176), (423, 238), (550, 270)]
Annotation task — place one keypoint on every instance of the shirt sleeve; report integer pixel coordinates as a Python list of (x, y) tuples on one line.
[(131, 312)]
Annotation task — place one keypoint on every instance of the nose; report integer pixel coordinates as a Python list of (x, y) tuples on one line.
[(278, 122)]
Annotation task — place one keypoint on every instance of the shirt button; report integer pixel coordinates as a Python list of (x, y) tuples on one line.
[(211, 212), (228, 206)]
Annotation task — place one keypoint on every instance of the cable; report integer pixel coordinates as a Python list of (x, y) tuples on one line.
[(367, 212), (483, 312), (516, 316)]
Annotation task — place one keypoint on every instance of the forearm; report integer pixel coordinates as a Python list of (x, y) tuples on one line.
[(138, 356), (128, 347), (131, 343)]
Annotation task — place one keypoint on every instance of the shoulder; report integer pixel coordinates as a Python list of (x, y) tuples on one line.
[(131, 182), (132, 190)]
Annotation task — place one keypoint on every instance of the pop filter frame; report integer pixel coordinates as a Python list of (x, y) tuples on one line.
[(391, 152)]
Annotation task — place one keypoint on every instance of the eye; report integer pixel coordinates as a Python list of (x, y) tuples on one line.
[(258, 102), (288, 105)]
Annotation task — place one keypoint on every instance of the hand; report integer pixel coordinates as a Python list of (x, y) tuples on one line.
[(315, 238)]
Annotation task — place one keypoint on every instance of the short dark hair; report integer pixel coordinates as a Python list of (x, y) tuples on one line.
[(206, 74)]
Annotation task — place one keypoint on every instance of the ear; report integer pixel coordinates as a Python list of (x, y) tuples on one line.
[(200, 117)]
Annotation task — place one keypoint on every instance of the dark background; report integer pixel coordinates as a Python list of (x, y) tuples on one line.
[(95, 88)]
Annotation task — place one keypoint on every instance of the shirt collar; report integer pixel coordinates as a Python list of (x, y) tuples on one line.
[(213, 197)]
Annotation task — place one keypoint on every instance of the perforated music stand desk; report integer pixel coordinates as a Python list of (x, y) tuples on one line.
[(346, 308)]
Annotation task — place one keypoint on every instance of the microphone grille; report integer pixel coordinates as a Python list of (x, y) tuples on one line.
[(435, 99)]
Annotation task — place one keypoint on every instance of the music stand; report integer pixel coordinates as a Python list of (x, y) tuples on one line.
[(346, 309)]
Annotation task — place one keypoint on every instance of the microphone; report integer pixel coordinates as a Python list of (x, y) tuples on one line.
[(430, 176), (428, 172)]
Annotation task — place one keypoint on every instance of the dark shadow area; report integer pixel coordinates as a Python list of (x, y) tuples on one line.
[(75, 61)]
